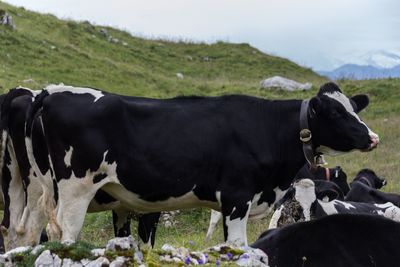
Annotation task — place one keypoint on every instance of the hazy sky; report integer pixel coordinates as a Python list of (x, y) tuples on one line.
[(316, 33)]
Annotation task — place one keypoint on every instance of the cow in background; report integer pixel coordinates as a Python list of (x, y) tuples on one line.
[(24, 216), (301, 203)]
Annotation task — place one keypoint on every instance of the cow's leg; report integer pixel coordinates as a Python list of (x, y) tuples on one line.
[(214, 219), (122, 222), (235, 213), (147, 228), (75, 195), (33, 219)]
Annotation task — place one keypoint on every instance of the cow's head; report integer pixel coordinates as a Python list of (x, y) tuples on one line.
[(369, 178), (336, 127), (339, 177)]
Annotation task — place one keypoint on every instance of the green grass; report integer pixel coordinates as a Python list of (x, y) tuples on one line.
[(49, 50), (44, 49)]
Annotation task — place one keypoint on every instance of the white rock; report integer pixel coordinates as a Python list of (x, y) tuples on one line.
[(98, 252), (168, 247), (46, 259), (6, 258), (30, 80), (179, 75), (6, 19), (99, 262), (85, 262), (70, 263), (138, 257), (122, 243), (118, 262), (253, 257), (18, 250), (57, 261), (285, 84)]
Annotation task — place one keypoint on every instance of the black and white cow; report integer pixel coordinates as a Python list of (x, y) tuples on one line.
[(185, 152), (336, 175), (302, 204), (361, 192), (24, 217), (332, 241), (369, 178)]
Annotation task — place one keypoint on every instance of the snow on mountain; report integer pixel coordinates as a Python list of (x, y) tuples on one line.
[(372, 65), (359, 72), (378, 59)]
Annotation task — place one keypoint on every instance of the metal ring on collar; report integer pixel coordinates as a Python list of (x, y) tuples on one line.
[(305, 135)]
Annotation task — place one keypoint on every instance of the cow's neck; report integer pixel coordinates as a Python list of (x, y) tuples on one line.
[(285, 130)]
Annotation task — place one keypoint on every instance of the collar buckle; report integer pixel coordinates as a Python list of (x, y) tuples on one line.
[(305, 135)]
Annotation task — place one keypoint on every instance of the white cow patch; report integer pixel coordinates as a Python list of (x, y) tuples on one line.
[(345, 204), (3, 150), (328, 207), (273, 223), (218, 197), (305, 195), (331, 152), (67, 157), (75, 195), (258, 211), (134, 202), (237, 228), (344, 100), (391, 211), (17, 199), (279, 194), (52, 89), (33, 219), (145, 245), (215, 217)]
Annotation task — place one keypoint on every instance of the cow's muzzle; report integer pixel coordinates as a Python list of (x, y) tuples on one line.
[(374, 141)]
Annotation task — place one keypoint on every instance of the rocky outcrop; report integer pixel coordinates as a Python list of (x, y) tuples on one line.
[(6, 19), (125, 252), (283, 83)]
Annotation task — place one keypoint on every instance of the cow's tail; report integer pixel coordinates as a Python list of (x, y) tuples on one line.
[(34, 111), (47, 200)]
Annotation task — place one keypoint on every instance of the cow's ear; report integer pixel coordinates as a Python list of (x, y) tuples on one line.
[(361, 101), (315, 106)]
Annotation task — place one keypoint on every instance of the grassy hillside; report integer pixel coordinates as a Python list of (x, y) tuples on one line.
[(49, 50), (44, 49)]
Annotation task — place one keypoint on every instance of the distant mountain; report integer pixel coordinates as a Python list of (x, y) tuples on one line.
[(362, 72), (376, 58), (379, 59)]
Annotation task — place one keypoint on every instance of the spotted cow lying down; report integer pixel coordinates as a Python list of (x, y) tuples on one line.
[(304, 201), (332, 241)]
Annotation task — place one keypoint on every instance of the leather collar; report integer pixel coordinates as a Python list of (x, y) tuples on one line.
[(313, 159)]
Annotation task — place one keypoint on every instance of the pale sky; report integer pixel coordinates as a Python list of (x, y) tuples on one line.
[(321, 34)]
